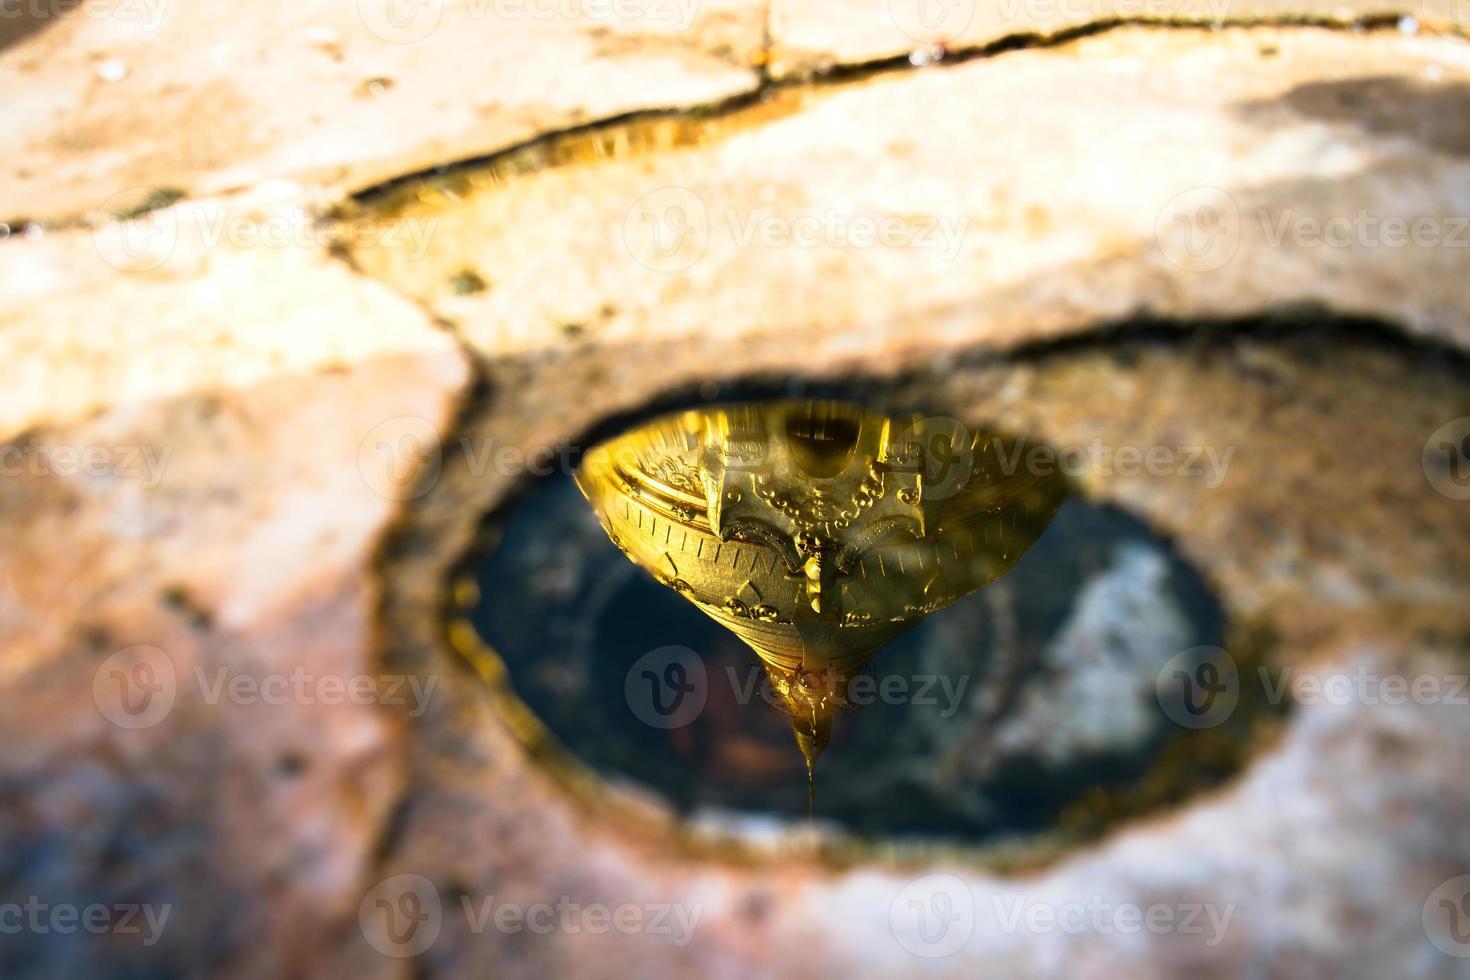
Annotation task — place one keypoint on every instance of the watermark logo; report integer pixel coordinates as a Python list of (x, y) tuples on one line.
[(940, 235), (136, 687), (148, 14), (1446, 917), (946, 451), (1204, 463), (401, 458), (401, 21), (675, 920), (301, 687), (670, 229), (1198, 687), (1201, 687), (138, 230), (933, 916), (401, 916), (131, 234), (1199, 230), (932, 22), (39, 917), (1208, 463), (1100, 915), (146, 464), (667, 230), (1362, 230), (944, 692), (1447, 459), (667, 688)]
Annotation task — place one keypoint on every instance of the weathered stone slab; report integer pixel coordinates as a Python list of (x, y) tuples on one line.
[(1166, 172), (261, 406), (193, 493), (117, 99), (823, 34)]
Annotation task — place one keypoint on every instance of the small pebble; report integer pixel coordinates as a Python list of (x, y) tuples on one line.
[(112, 70), (466, 282), (923, 57), (375, 86)]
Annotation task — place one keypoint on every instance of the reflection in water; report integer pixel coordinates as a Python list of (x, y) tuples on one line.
[(1023, 717), (817, 531)]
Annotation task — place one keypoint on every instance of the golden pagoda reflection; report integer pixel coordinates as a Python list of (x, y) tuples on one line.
[(817, 531)]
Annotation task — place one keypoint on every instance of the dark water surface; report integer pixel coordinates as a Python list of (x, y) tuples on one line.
[(987, 720)]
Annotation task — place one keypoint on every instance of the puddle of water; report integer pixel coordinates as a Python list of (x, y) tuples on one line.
[(969, 661)]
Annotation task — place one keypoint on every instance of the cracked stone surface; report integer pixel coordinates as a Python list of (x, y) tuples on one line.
[(228, 532), (112, 101), (270, 410), (1270, 846), (822, 34), (1140, 145)]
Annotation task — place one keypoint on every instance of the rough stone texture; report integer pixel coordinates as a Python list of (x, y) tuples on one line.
[(1136, 143), (1352, 817), (817, 35), (114, 100), (252, 377), (266, 370)]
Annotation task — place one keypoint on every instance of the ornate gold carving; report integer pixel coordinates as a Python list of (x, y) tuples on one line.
[(836, 506)]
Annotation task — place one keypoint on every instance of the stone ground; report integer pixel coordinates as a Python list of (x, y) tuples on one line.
[(248, 327)]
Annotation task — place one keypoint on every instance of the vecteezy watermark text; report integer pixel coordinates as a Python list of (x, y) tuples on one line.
[(148, 13), (1364, 229), (943, 691), (138, 687), (936, 915), (403, 457), (669, 230), (673, 919), (146, 240), (1102, 916), (1097, 457), (1202, 686), (1201, 229), (37, 916), (40, 459), (301, 686), (669, 687), (403, 915)]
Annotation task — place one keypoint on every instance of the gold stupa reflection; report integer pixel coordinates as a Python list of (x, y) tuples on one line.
[(817, 531)]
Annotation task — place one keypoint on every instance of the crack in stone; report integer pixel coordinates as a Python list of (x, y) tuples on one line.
[(768, 47), (383, 192), (766, 85)]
